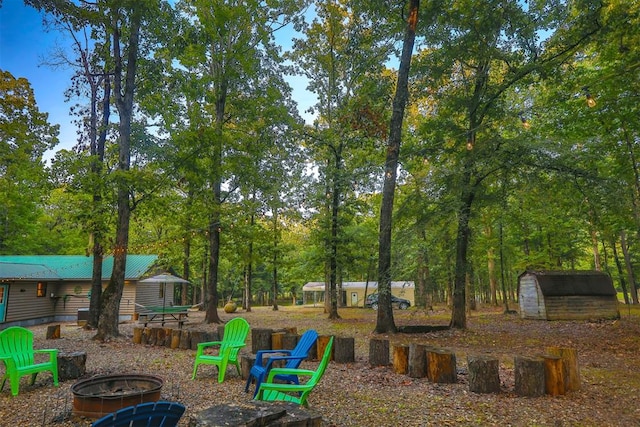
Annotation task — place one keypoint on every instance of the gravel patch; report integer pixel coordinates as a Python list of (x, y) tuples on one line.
[(357, 394)]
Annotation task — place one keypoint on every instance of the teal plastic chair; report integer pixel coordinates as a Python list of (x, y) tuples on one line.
[(18, 355), (150, 414), (297, 393), (233, 339), (292, 359)]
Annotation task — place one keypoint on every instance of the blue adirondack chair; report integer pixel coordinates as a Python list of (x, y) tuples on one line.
[(293, 358), (150, 414)]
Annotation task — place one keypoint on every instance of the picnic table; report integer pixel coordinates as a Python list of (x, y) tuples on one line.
[(162, 315)]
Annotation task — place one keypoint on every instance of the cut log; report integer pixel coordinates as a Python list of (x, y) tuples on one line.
[(185, 339), (260, 339), (417, 361), (289, 341), (400, 359), (175, 338), (53, 332), (570, 365), (322, 343), (529, 376), (344, 350), (441, 366), (276, 340), (379, 352), (246, 363), (291, 330), (137, 335), (146, 332), (553, 375), (484, 374), (71, 365)]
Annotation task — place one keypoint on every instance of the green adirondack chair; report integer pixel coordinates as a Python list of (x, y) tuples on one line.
[(233, 339), (18, 355), (296, 393)]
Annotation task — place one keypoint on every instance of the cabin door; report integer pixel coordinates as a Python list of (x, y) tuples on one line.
[(4, 290), (354, 299)]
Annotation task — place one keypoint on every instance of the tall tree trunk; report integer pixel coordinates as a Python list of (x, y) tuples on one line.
[(385, 322), (275, 260), (424, 275), (97, 151), (110, 303), (630, 274), (248, 277), (333, 257), (623, 283)]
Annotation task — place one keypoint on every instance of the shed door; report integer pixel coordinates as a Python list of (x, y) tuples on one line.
[(4, 290)]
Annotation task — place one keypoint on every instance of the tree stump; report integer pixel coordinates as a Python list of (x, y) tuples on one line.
[(246, 363), (185, 339), (260, 339), (400, 359), (157, 335), (220, 331), (529, 376), (570, 365), (441, 366), (379, 352), (553, 375), (71, 365), (196, 338), (276, 340), (167, 337), (417, 361), (344, 350), (175, 338), (137, 335), (291, 330), (289, 341), (53, 332), (322, 342), (146, 332), (484, 375)]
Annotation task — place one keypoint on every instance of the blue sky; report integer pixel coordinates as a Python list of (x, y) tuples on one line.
[(24, 46)]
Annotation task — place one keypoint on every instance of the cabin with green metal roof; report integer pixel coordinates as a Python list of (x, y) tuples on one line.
[(36, 289)]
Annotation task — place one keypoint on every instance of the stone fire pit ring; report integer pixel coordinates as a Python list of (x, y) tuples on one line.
[(101, 395)]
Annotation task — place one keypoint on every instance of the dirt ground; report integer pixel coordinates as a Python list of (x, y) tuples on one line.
[(357, 394)]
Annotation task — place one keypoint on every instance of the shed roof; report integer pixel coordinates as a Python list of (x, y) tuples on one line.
[(67, 267), (561, 283)]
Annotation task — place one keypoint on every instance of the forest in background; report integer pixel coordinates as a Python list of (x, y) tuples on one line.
[(519, 143)]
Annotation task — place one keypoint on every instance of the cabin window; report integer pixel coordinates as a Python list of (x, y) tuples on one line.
[(41, 289), (161, 287)]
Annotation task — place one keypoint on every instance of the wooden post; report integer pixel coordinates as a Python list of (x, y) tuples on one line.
[(276, 340), (53, 332), (344, 350), (291, 330), (322, 343), (289, 341), (260, 339), (137, 335), (529, 376), (379, 352), (146, 332), (417, 361), (185, 339), (175, 338), (246, 363), (484, 376), (553, 375), (570, 365), (400, 359), (441, 366)]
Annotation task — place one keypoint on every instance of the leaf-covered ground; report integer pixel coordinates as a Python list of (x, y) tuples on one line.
[(360, 395)]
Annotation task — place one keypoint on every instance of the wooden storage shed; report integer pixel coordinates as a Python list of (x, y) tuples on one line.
[(567, 295)]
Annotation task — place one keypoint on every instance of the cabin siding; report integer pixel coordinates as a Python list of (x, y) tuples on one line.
[(149, 294), (24, 304), (577, 307)]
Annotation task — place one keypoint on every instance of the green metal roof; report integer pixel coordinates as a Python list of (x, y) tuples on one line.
[(68, 267)]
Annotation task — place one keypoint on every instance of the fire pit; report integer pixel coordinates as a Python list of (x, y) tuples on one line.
[(101, 395)]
